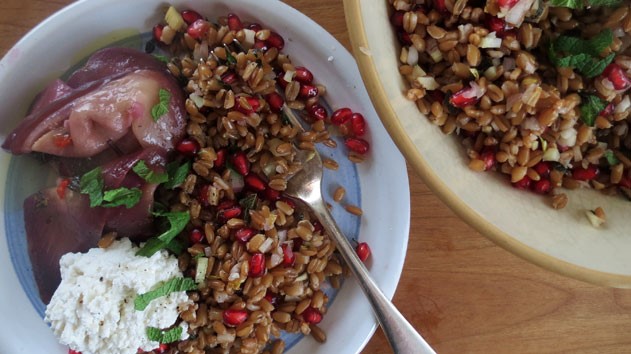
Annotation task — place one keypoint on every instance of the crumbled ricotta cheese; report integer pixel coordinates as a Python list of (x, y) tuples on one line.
[(92, 310)]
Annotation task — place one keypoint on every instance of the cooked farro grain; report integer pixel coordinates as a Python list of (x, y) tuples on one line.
[(339, 193), (353, 209)]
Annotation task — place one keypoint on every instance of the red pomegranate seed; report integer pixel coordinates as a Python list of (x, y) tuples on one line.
[(397, 19), (275, 102), (255, 27), (311, 315), (275, 40), (297, 244), (289, 202), (317, 111), (234, 22), (585, 174), (157, 32), (221, 158), (617, 76), (289, 258), (62, 140), (341, 116), (523, 183), (260, 45), (203, 194), (229, 213), (542, 186), (196, 236), (358, 124), (226, 204), (187, 147), (494, 24), (272, 297), (357, 145), (489, 159), (190, 16), (363, 251), (254, 103), (271, 194), (234, 317), (229, 77), (303, 75), (161, 349), (439, 5), (607, 111), (245, 234), (507, 3), (404, 37), (280, 80), (198, 29), (62, 187), (254, 182), (317, 227), (241, 163), (437, 96), (308, 91), (70, 351), (257, 265), (542, 168), (463, 98)]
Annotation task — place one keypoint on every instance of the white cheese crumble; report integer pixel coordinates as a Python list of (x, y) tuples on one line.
[(92, 310)]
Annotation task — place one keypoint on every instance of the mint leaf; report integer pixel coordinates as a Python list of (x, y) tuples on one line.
[(593, 46), (177, 174), (153, 245), (174, 285), (91, 183), (584, 55), (168, 336), (606, 3), (121, 196), (572, 4), (591, 106), (248, 203), (162, 107), (177, 221), (596, 67), (148, 174), (162, 58), (611, 158)]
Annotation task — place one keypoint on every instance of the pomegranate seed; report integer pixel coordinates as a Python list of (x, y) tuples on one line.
[(280, 80), (489, 159), (229, 77), (62, 187), (70, 351), (234, 22), (157, 32), (297, 244), (357, 145), (289, 202), (221, 158), (203, 194), (245, 234), (254, 182), (188, 147), (198, 29), (275, 102), (161, 349), (255, 27), (507, 3), (317, 111), (190, 16), (260, 45), (303, 75), (358, 124), (257, 265), (311, 315), (229, 213), (234, 317), (196, 236), (254, 103), (289, 258), (439, 5), (226, 204), (275, 40), (542, 168), (463, 98), (494, 24), (271, 194), (363, 251), (523, 183), (617, 76), (585, 174), (317, 227), (404, 37), (62, 140), (397, 19), (437, 96), (607, 111), (341, 116), (272, 297), (542, 186), (308, 91), (241, 163)]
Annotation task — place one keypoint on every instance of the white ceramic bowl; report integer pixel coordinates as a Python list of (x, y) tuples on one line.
[(56, 44), (563, 241)]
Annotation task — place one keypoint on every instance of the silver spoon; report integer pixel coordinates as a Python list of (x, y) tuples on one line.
[(306, 186)]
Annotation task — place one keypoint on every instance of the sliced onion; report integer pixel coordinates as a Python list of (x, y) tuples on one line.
[(515, 15), (551, 154), (428, 82), (412, 56), (624, 105), (490, 41)]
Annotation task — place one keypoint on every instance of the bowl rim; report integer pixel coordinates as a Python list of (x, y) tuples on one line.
[(370, 76)]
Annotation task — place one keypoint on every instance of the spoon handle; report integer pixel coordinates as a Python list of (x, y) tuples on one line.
[(403, 338)]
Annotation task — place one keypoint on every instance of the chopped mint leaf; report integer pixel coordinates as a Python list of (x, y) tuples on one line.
[(593, 46), (611, 158), (174, 285), (582, 55), (167, 336), (229, 57), (148, 174), (162, 58), (153, 245), (591, 106), (579, 4), (177, 173), (177, 222), (91, 183), (248, 203), (605, 3), (572, 4), (121, 196), (162, 107)]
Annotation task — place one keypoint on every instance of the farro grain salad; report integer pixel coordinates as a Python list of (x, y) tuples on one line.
[(537, 90), (168, 230)]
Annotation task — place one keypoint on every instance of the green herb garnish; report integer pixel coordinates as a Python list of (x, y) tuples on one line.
[(579, 4), (177, 173), (248, 203), (174, 285), (148, 174), (121, 196), (91, 183), (591, 106), (167, 336), (177, 221), (581, 54), (611, 158), (162, 107), (162, 58)]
